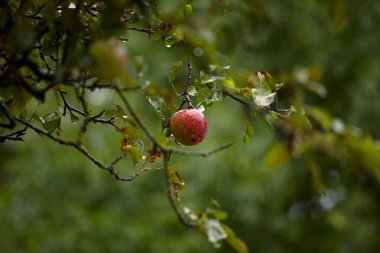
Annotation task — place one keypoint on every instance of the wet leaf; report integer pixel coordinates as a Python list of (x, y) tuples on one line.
[(200, 108), (74, 118), (51, 121), (262, 97), (36, 117), (209, 79), (174, 37), (174, 71), (162, 109), (191, 91), (279, 85)]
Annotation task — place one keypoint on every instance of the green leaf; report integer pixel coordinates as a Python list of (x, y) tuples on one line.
[(217, 95), (74, 118), (191, 91), (36, 117), (174, 37), (188, 9), (213, 209), (176, 182), (217, 213), (262, 97), (248, 133), (279, 85), (209, 96), (120, 110), (111, 113), (133, 132), (174, 71), (51, 121), (162, 109), (209, 79)]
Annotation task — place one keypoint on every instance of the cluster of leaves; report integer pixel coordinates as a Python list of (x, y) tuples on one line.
[(60, 48)]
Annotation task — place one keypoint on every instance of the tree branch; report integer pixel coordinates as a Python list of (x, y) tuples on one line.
[(107, 167), (199, 153), (172, 198)]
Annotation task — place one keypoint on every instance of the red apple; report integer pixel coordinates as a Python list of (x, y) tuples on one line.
[(189, 127)]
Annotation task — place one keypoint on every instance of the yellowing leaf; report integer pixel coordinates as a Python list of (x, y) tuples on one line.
[(136, 153), (154, 156), (176, 182)]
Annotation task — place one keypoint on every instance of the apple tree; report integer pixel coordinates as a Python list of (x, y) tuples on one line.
[(55, 55)]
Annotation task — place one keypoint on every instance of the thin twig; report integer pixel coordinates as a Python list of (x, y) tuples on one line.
[(144, 30), (189, 77), (36, 13), (15, 136), (185, 95), (199, 153), (68, 106), (135, 117)]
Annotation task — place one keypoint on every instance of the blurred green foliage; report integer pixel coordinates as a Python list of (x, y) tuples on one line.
[(323, 197)]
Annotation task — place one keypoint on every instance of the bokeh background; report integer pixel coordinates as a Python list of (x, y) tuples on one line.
[(52, 199)]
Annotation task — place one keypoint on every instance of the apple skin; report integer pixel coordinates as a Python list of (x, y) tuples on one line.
[(189, 127)]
